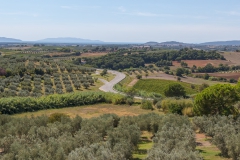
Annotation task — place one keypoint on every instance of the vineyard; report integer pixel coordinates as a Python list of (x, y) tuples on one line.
[(158, 85), (31, 76)]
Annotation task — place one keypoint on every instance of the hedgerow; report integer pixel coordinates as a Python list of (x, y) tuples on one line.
[(30, 104)]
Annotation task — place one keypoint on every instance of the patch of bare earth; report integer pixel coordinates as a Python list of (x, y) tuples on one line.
[(133, 83), (233, 57), (200, 139)]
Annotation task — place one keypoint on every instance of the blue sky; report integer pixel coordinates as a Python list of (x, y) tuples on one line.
[(192, 21)]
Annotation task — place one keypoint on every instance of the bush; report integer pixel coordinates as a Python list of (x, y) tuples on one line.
[(146, 104), (171, 105), (158, 105), (129, 101), (174, 90), (57, 117), (203, 86)]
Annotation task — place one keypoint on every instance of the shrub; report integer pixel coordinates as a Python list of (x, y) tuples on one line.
[(171, 105), (146, 104), (158, 105), (57, 117), (174, 90), (129, 101)]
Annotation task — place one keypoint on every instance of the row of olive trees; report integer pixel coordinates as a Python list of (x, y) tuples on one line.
[(106, 137), (224, 132), (175, 139)]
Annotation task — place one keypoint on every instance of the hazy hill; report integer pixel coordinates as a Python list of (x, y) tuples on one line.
[(222, 43), (69, 40), (165, 43), (151, 43), (172, 43), (4, 39)]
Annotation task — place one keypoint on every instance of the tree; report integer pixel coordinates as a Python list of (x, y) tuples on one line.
[(139, 76), (146, 75), (104, 72), (184, 64), (203, 86), (217, 99), (174, 90), (86, 85), (179, 72)]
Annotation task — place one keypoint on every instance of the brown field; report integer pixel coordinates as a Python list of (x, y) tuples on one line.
[(223, 75), (93, 111), (233, 57), (202, 63)]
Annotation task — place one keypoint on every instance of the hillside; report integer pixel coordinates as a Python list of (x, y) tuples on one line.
[(4, 39), (222, 43)]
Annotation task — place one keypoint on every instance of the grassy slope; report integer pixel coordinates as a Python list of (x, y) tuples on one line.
[(158, 85), (92, 111)]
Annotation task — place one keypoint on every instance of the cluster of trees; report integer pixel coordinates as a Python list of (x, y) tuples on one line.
[(121, 61), (33, 76), (174, 139), (224, 131), (162, 63), (212, 78), (38, 85), (13, 65), (209, 68), (106, 137)]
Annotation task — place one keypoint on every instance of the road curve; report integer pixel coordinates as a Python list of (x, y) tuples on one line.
[(108, 86)]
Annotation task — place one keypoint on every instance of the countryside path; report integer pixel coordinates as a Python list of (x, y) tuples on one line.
[(108, 86)]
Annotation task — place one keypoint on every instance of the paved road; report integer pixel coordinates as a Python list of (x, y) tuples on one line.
[(108, 86)]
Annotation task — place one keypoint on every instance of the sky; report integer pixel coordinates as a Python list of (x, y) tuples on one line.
[(189, 21)]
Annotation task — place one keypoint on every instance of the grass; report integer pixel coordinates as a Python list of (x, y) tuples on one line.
[(144, 145), (158, 85), (210, 153), (90, 111), (108, 77)]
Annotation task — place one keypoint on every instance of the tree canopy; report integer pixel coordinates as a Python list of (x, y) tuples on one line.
[(217, 99), (174, 90)]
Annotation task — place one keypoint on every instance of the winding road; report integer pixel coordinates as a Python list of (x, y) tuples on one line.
[(108, 86)]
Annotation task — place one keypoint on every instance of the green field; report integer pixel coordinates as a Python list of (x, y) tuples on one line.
[(158, 85)]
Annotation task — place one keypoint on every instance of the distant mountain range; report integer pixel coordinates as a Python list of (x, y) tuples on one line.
[(68, 40), (222, 43), (4, 39), (217, 43), (87, 41)]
